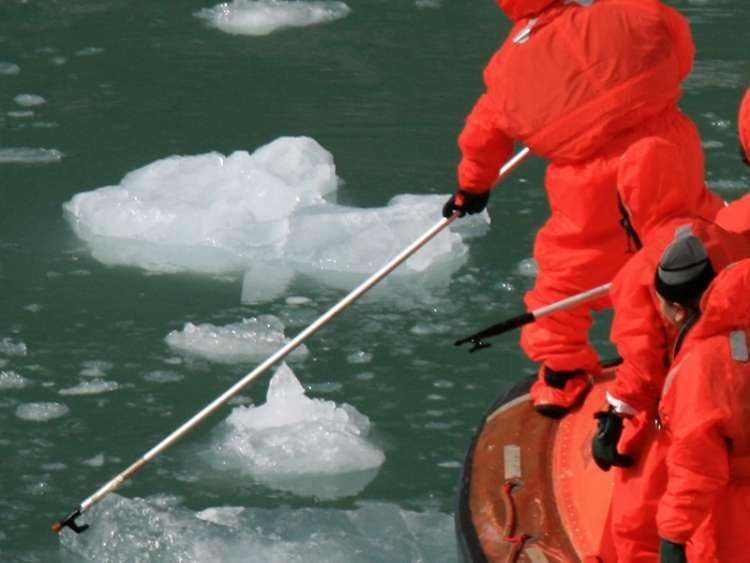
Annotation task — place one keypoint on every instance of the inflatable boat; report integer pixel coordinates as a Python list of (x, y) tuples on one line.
[(530, 490)]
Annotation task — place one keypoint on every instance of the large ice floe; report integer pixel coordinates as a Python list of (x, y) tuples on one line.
[(264, 214), (293, 443), (262, 17), (250, 340), (161, 530)]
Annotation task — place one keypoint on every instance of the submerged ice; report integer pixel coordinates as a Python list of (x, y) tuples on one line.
[(309, 447), (250, 340), (161, 530), (264, 214), (262, 17)]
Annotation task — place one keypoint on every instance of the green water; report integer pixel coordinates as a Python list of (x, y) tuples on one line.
[(385, 90)]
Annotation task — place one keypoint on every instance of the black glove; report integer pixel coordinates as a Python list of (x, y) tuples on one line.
[(465, 202), (670, 552), (604, 443)]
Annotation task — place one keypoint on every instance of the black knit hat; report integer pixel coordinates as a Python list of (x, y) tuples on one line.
[(684, 270)]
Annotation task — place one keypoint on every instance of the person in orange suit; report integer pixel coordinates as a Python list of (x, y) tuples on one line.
[(655, 211), (735, 217), (705, 408), (578, 83)]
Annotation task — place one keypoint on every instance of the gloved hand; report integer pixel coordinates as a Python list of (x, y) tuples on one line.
[(670, 552), (604, 443), (465, 202)]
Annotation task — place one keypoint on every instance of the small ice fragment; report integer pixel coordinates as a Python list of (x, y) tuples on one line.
[(359, 357), (41, 412), (12, 348), (262, 17), (8, 69), (29, 100), (28, 155), (12, 380), (96, 461), (247, 341), (91, 387)]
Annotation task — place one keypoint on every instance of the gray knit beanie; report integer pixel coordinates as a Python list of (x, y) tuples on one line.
[(684, 270)]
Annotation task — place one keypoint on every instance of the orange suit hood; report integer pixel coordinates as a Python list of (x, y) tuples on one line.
[(519, 9), (650, 183), (743, 123), (724, 304)]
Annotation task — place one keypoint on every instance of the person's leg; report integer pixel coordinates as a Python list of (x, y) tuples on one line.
[(581, 246)]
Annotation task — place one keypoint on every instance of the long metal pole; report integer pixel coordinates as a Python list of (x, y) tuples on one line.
[(116, 482)]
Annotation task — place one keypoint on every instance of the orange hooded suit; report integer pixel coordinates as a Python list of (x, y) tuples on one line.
[(705, 411), (578, 84), (649, 179), (737, 216)]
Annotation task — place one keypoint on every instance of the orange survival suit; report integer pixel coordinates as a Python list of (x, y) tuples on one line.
[(735, 217), (648, 182), (705, 412), (578, 84)]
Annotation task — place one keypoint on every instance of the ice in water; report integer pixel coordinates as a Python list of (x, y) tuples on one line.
[(12, 380), (41, 412), (310, 447), (29, 155), (261, 17), (91, 387), (9, 68), (29, 100), (161, 530), (250, 340), (265, 214)]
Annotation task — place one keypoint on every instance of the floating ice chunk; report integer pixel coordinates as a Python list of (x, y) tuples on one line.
[(148, 530), (12, 380), (207, 213), (248, 341), (12, 348), (89, 51), (27, 155), (95, 368), (428, 3), (91, 387), (163, 376), (261, 17), (7, 68), (359, 357), (264, 214), (96, 461), (29, 100), (41, 412), (265, 282), (310, 447), (527, 268)]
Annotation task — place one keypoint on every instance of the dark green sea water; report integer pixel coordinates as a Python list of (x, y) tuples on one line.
[(385, 90)]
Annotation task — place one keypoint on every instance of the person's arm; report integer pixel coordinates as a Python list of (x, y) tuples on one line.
[(641, 339), (484, 148), (698, 458)]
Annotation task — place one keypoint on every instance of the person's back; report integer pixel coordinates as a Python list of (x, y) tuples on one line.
[(579, 84), (705, 412)]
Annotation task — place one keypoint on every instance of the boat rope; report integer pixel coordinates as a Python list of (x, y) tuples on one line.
[(510, 522)]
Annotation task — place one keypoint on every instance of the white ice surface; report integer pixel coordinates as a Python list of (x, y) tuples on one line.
[(262, 17), (41, 412), (29, 100), (250, 340), (9, 68), (160, 530), (91, 387), (10, 347), (264, 214), (12, 380), (28, 155), (310, 447)]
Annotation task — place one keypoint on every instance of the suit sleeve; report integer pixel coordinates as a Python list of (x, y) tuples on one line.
[(698, 459), (641, 340), (484, 148)]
